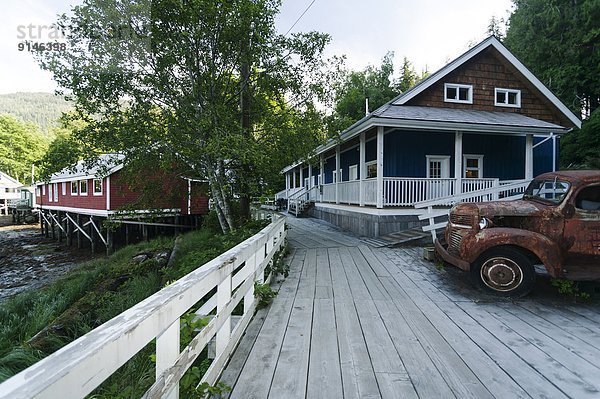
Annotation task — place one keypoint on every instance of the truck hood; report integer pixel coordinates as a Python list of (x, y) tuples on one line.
[(501, 208)]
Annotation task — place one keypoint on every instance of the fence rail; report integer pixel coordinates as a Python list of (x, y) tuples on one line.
[(80, 367)]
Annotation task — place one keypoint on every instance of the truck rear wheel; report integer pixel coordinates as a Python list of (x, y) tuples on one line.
[(505, 272)]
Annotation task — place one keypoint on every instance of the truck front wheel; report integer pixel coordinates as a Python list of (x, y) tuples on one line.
[(504, 271)]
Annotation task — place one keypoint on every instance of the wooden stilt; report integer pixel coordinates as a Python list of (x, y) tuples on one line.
[(60, 235), (127, 231), (109, 242), (145, 232), (41, 222), (92, 234), (79, 232), (69, 230)]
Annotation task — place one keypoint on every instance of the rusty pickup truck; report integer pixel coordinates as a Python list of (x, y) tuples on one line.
[(556, 223)]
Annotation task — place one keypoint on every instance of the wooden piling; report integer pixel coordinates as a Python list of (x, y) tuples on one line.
[(59, 223), (69, 230), (78, 219), (92, 234)]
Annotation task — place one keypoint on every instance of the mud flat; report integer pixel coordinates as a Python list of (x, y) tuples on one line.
[(28, 260)]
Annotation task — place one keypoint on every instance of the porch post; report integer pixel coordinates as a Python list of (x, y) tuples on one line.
[(529, 156), (322, 172), (310, 177), (361, 170), (287, 184), (337, 174), (554, 153), (294, 186), (458, 162), (301, 176), (379, 166)]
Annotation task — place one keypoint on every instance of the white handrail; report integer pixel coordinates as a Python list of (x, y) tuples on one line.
[(80, 367)]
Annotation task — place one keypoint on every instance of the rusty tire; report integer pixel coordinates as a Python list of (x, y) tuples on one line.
[(504, 271)]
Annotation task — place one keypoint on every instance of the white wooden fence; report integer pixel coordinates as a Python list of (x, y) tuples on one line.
[(77, 369)]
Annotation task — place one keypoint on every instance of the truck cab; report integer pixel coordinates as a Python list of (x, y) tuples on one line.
[(556, 223)]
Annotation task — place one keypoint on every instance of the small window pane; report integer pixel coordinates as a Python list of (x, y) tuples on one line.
[(371, 171), (501, 97), (97, 186), (472, 173), (463, 94), (512, 98), (451, 93), (472, 163)]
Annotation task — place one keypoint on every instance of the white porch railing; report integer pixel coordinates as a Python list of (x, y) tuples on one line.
[(348, 191), (329, 192), (370, 193), (77, 369)]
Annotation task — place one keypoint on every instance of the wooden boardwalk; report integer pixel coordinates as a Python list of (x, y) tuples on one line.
[(354, 321)]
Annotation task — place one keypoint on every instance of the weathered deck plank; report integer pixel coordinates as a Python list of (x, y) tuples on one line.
[(353, 321)]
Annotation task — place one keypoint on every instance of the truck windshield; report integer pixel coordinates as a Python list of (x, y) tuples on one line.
[(547, 190)]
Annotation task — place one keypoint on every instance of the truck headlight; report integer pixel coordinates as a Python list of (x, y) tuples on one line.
[(483, 223)]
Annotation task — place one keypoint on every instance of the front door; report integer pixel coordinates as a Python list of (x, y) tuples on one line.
[(583, 231), (438, 167)]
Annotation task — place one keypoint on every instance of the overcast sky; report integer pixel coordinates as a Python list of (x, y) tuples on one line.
[(429, 32)]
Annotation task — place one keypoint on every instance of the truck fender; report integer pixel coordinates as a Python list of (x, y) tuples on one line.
[(544, 248)]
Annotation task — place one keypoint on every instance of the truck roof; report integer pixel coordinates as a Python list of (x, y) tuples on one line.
[(574, 176)]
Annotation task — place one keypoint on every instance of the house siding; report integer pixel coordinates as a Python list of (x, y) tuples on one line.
[(89, 201), (405, 152), (485, 72)]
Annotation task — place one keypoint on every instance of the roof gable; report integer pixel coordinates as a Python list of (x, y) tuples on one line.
[(7, 181), (492, 46)]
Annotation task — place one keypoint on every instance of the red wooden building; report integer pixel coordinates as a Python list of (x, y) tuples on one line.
[(76, 200)]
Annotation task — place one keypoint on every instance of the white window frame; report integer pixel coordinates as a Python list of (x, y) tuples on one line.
[(64, 188), (94, 187), (458, 86), (50, 196), (353, 172), (55, 192), (43, 189), (444, 159), (506, 92), (76, 185), (367, 164), (86, 187), (479, 168)]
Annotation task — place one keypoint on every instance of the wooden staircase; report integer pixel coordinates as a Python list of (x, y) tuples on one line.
[(300, 202)]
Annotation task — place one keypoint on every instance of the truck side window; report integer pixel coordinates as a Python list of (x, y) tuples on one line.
[(589, 199)]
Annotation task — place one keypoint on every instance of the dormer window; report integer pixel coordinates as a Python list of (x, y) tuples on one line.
[(458, 93), (507, 98)]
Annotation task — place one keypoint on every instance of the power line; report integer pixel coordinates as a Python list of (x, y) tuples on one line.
[(300, 17)]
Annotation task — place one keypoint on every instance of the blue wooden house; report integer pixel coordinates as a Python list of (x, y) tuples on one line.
[(482, 121)]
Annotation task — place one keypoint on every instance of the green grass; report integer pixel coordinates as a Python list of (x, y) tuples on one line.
[(35, 324)]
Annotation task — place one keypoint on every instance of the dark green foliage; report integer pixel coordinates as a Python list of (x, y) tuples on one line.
[(558, 40), (375, 83), (581, 148), (40, 109), (264, 293)]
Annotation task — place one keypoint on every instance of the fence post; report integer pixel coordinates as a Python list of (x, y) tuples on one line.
[(249, 296), (167, 351), (223, 298), (496, 184)]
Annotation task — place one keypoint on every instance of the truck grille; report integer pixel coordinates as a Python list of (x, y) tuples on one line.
[(464, 220), (454, 239)]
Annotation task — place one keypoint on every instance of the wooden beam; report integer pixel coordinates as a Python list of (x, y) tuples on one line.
[(379, 166), (362, 170), (458, 162)]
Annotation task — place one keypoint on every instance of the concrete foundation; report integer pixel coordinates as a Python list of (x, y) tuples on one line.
[(367, 222)]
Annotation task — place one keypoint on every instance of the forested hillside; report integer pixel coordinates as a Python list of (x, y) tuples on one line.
[(41, 109)]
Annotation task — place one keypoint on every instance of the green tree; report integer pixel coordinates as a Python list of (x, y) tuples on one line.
[(65, 149), (21, 146), (377, 84), (558, 40), (581, 148), (162, 82)]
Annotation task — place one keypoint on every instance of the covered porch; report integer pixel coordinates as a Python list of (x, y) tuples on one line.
[(396, 162)]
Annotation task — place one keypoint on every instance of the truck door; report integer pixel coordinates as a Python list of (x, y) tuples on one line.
[(583, 229)]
